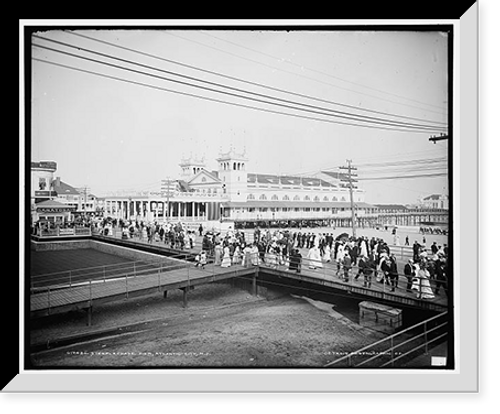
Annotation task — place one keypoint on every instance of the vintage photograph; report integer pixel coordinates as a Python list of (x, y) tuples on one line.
[(240, 197)]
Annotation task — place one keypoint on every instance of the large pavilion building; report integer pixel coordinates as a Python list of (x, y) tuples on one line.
[(231, 193)]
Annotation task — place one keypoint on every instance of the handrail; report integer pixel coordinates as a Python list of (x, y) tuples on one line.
[(331, 268), (391, 339)]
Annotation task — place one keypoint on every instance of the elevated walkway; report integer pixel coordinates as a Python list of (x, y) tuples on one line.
[(185, 275)]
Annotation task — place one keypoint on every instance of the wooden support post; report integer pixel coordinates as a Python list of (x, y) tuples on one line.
[(254, 285), (89, 316), (185, 297)]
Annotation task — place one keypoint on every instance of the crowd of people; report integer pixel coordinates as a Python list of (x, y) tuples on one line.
[(349, 258)]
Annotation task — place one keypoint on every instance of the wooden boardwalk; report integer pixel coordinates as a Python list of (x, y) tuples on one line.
[(54, 300), (94, 292), (377, 291)]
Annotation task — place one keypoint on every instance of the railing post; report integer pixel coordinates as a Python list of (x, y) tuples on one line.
[(392, 350), (70, 278), (425, 338)]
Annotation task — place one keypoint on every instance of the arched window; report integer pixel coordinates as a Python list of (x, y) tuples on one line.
[(274, 197), (343, 199), (325, 198), (262, 197), (250, 197), (296, 198), (307, 198), (286, 198), (234, 166), (334, 198), (316, 198), (203, 179)]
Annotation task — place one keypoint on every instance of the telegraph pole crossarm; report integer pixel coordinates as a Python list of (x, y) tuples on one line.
[(438, 138)]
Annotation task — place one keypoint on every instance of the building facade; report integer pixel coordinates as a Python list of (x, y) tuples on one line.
[(231, 193), (46, 187)]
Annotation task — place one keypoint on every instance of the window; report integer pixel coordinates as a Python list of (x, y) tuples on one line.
[(343, 199), (296, 198), (250, 197), (274, 197), (316, 198), (334, 198), (204, 180), (307, 198), (325, 198), (262, 197), (285, 198)]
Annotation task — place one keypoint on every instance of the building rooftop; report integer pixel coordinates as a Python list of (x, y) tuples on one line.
[(288, 180)]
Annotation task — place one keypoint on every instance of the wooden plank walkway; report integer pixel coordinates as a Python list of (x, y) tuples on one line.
[(327, 277), (88, 294), (84, 296)]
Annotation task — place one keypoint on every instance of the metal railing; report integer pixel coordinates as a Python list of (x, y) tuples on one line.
[(399, 347), (64, 232), (319, 269), (125, 282), (77, 277)]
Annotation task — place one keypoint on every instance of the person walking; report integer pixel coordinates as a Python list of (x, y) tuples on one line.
[(409, 271), (218, 254), (347, 265), (314, 257), (424, 285), (393, 272), (226, 260)]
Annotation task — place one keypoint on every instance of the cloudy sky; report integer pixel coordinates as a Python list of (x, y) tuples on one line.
[(111, 128)]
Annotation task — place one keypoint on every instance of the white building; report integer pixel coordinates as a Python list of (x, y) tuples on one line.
[(435, 201), (232, 193)]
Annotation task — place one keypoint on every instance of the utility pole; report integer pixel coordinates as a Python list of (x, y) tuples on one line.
[(167, 184), (350, 181), (84, 190)]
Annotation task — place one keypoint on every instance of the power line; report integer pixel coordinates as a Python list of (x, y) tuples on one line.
[(298, 74), (401, 177), (222, 101), (102, 75), (323, 73), (337, 114), (249, 82)]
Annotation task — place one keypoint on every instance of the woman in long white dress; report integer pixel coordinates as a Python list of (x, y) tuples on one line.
[(254, 254), (226, 260), (314, 257), (423, 284), (237, 255), (247, 256)]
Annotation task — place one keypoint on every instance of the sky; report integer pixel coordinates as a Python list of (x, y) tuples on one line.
[(109, 135)]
